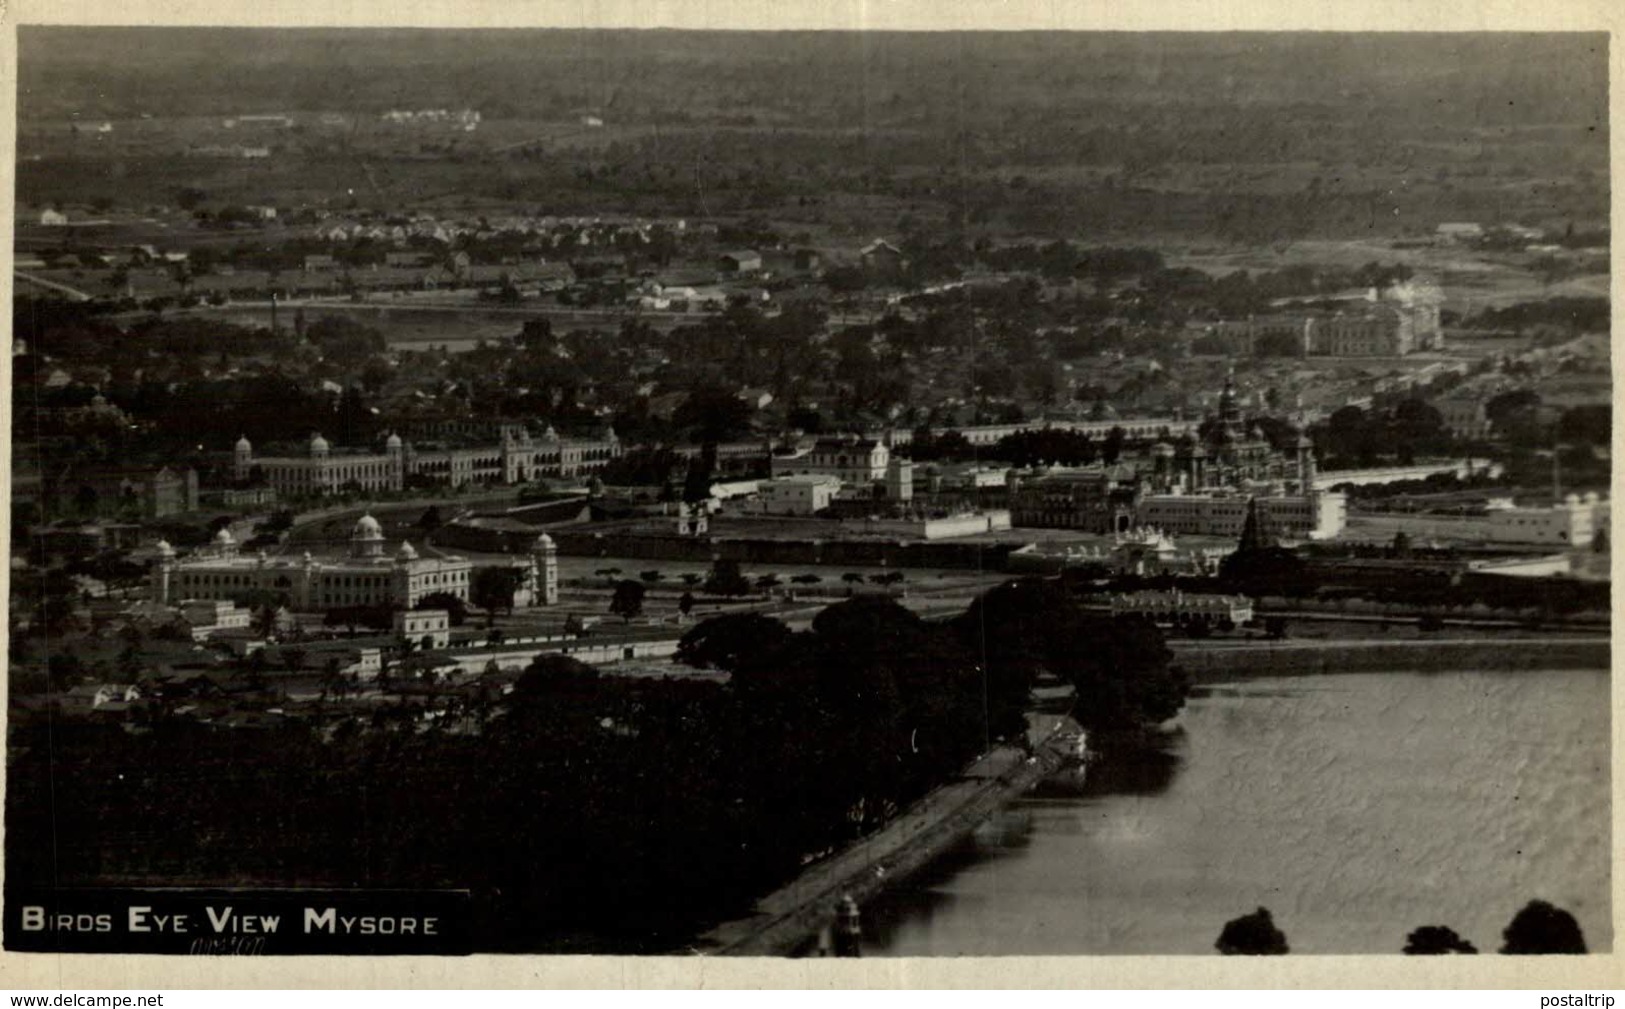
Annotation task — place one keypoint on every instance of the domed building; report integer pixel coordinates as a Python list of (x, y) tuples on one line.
[(516, 457), (368, 576), (1226, 452)]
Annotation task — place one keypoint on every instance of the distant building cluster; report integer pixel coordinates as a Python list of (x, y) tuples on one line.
[(808, 480), (465, 119)]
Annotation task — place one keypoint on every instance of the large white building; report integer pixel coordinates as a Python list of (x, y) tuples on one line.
[(1316, 515), (515, 458), (1573, 522), (855, 462), (798, 494), (368, 576), (1398, 320)]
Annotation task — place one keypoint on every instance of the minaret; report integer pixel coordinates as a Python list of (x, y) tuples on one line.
[(1229, 408), (396, 453), (319, 454), (242, 458), (546, 554), (1306, 463)]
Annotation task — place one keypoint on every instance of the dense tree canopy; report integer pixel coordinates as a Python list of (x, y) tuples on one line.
[(1540, 928), (1121, 668), (1252, 935)]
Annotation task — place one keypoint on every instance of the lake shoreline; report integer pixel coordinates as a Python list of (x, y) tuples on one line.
[(1208, 663)]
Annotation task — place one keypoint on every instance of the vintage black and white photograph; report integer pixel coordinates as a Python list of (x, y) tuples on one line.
[(848, 493)]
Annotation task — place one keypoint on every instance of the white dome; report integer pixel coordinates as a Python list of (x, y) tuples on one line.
[(164, 549), (224, 538), (393, 441), (318, 444), (543, 541), (367, 529), (243, 445), (406, 552)]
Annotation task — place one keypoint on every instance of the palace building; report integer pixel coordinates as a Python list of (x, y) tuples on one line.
[(1200, 485), (369, 576), (517, 457)]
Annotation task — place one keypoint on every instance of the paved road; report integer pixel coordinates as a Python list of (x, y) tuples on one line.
[(51, 285), (786, 918)]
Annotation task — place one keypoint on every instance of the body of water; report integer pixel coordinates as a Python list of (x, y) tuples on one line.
[(1355, 807)]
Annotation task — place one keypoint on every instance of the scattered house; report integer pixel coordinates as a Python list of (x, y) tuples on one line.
[(272, 120), (99, 697), (740, 261), (1522, 231), (425, 629), (541, 278), (1460, 231), (408, 259), (664, 406), (882, 257), (207, 617), (755, 398), (53, 218), (320, 262)]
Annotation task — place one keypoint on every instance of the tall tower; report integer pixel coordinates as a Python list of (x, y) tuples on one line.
[(1306, 463), (163, 573), (396, 454), (900, 479), (546, 554), (1229, 407), (320, 477), (242, 458)]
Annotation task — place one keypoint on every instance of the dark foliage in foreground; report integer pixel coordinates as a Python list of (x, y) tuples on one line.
[(1541, 928), (1252, 935), (592, 812), (1436, 940)]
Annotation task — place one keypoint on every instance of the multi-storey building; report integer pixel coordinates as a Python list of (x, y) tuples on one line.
[(1097, 500), (1388, 323), (368, 576), (853, 461), (1312, 515), (515, 458)]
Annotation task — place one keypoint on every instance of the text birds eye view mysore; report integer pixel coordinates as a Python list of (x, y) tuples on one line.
[(809, 493)]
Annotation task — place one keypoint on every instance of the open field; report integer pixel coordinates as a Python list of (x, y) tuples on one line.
[(1145, 135)]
